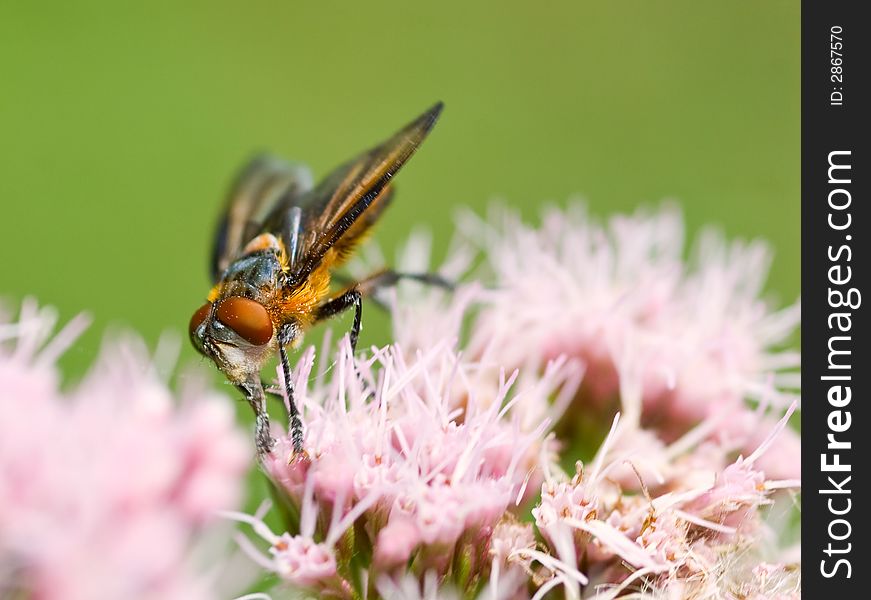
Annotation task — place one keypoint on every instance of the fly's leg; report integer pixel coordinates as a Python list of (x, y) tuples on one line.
[(353, 297), (341, 303), (284, 338), (387, 278), (253, 392)]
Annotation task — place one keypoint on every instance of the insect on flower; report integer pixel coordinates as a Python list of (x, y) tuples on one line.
[(276, 246)]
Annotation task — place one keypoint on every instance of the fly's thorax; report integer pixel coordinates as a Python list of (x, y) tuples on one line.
[(259, 276), (299, 300)]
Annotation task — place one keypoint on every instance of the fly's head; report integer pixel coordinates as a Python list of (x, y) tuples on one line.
[(235, 332), (239, 328)]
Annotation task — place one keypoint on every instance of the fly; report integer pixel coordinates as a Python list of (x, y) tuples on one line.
[(277, 243)]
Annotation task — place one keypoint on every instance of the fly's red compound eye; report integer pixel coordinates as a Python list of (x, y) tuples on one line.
[(247, 318), (199, 316)]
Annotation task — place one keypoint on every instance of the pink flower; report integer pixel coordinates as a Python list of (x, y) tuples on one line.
[(702, 338), (303, 560), (298, 559), (419, 455), (413, 452), (106, 488), (396, 541), (672, 540)]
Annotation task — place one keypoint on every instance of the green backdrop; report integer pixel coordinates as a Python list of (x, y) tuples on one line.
[(121, 124)]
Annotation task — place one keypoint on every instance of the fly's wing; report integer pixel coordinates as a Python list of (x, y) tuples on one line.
[(339, 210), (265, 186)]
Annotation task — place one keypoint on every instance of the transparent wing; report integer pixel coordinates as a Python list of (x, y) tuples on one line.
[(339, 210), (266, 185)]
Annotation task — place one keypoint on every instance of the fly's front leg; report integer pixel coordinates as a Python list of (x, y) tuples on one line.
[(253, 392), (285, 336), (341, 303)]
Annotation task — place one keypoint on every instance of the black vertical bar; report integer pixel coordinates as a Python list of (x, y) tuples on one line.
[(836, 439)]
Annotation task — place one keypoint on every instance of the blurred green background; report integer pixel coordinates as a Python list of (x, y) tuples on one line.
[(122, 123)]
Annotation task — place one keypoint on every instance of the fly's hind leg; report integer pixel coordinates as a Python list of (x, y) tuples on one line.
[(369, 286), (338, 304), (353, 296), (388, 278)]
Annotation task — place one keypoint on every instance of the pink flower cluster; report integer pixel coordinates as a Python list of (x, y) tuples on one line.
[(696, 335), (433, 467), (106, 489), (672, 536), (419, 458), (410, 467)]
